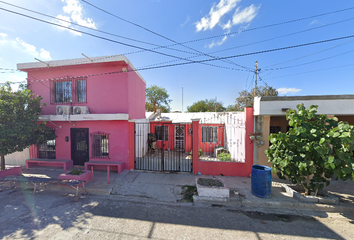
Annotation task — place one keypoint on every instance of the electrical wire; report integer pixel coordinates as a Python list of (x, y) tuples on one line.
[(248, 44), (208, 60), (93, 29), (295, 59), (110, 40), (317, 70), (298, 65), (160, 35)]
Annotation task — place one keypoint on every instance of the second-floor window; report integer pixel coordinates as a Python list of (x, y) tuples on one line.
[(69, 90), (63, 92)]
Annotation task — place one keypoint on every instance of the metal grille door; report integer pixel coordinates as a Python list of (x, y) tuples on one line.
[(163, 147)]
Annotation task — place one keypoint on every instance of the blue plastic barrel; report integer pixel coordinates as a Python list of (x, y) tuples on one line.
[(261, 181)]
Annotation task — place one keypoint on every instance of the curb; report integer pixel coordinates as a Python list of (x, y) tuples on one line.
[(292, 205)]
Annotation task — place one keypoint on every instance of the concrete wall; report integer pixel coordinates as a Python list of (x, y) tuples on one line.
[(262, 158), (17, 158), (332, 104)]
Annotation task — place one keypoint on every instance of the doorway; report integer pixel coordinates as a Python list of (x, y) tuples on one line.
[(79, 145)]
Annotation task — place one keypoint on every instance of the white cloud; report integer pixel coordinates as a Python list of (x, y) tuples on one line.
[(219, 12), (215, 14), (3, 35), (314, 22), (284, 90), (75, 10), (242, 16), (218, 43), (30, 49), (187, 20)]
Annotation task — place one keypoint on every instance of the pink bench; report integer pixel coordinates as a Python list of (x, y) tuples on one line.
[(65, 163), (107, 164)]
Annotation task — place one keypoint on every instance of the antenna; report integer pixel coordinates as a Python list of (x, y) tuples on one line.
[(182, 99)]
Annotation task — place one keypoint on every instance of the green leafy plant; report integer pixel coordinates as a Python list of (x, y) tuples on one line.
[(19, 126), (313, 150), (224, 157), (75, 172), (188, 192), (200, 152)]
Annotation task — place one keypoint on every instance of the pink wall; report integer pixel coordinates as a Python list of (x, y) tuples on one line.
[(118, 139), (136, 96), (110, 93)]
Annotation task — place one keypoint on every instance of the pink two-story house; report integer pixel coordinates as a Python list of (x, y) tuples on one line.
[(89, 102)]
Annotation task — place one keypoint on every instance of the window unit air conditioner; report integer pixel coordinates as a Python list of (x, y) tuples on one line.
[(63, 110), (81, 110)]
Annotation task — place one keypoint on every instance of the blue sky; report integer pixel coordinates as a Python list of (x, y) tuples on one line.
[(326, 68)]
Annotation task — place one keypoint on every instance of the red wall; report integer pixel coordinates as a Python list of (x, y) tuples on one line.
[(208, 147), (230, 168)]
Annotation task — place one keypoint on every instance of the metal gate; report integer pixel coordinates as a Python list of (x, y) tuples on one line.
[(163, 146)]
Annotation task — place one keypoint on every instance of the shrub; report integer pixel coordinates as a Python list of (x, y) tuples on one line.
[(313, 150), (200, 152), (224, 157)]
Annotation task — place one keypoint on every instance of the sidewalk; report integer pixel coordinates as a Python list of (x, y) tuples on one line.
[(167, 187)]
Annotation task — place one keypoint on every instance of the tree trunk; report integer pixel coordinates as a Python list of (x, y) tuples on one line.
[(2, 162)]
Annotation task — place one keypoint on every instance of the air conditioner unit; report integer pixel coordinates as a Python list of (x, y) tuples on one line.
[(63, 110), (81, 110)]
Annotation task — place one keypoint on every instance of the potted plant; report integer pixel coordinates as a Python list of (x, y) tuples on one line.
[(77, 174)]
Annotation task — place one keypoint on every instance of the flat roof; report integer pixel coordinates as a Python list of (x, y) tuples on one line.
[(308, 97), (77, 61)]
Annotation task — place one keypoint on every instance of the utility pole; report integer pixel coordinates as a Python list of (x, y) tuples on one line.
[(255, 79), (216, 99)]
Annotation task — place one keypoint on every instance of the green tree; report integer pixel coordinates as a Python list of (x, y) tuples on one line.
[(207, 106), (19, 112), (313, 150), (246, 98), (157, 97)]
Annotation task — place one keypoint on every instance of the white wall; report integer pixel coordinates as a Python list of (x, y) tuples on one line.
[(328, 107), (17, 158)]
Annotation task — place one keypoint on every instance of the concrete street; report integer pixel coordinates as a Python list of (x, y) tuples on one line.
[(55, 215)]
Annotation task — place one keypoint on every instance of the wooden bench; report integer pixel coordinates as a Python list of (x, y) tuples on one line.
[(38, 181), (65, 163), (107, 164)]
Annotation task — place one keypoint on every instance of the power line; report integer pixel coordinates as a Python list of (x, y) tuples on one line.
[(298, 65), (248, 44), (317, 70), (295, 59), (208, 60), (107, 39), (261, 27), (155, 33), (93, 29)]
